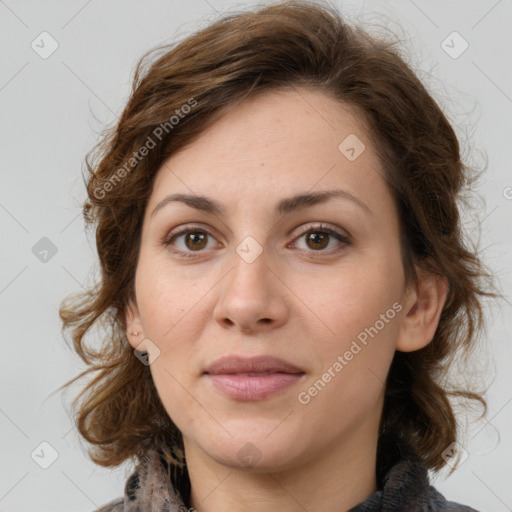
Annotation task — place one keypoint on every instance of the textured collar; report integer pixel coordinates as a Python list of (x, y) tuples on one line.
[(405, 488)]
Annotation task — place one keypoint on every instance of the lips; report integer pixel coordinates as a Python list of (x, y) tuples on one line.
[(253, 378), (262, 364)]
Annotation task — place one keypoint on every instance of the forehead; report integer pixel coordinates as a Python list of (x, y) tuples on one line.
[(276, 143)]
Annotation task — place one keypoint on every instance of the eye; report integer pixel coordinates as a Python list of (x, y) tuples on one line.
[(192, 240), (318, 238), (188, 241)]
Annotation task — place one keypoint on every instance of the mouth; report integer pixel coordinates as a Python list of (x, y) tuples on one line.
[(253, 378)]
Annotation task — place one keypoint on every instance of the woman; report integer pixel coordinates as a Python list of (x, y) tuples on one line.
[(284, 280)]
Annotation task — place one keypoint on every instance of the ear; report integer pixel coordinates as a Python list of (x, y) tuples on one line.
[(423, 305), (134, 330)]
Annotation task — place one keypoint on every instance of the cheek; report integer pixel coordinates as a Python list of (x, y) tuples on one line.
[(362, 314), (173, 312), (177, 394), (165, 300), (354, 299), (349, 393)]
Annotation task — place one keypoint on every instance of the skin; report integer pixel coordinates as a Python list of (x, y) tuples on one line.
[(302, 302)]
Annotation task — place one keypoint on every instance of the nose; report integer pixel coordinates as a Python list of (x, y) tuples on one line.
[(252, 297)]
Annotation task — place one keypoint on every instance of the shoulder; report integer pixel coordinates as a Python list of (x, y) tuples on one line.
[(440, 503), (116, 505), (451, 506)]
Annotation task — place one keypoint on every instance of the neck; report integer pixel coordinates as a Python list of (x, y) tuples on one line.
[(335, 480)]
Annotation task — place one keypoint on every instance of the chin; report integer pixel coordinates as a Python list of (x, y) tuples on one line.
[(254, 450)]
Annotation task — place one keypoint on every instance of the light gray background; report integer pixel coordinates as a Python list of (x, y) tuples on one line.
[(51, 113)]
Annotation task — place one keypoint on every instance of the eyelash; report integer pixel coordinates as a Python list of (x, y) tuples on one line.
[(321, 228)]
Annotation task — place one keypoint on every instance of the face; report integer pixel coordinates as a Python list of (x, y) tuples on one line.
[(271, 322)]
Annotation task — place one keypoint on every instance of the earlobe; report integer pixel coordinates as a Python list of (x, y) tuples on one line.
[(423, 307), (134, 331)]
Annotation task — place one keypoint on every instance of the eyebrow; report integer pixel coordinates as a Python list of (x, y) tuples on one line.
[(285, 206)]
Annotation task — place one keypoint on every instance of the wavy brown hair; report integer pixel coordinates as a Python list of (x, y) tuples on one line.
[(181, 89)]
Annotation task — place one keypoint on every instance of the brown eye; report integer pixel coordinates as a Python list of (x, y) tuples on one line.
[(196, 240), (189, 242), (317, 240), (321, 239)]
